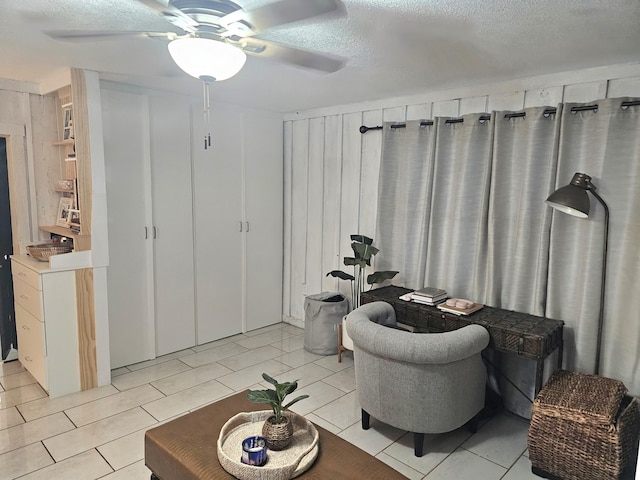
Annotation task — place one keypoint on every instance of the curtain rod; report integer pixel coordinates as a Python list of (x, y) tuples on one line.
[(484, 118), (424, 123)]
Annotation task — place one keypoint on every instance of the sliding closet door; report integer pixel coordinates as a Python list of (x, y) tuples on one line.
[(264, 215), (131, 328), (170, 134), (219, 226)]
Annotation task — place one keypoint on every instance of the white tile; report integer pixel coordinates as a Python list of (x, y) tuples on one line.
[(521, 471), (10, 417), (345, 380), (218, 343), (47, 406), (98, 433), (125, 450), (191, 378), (292, 329), (162, 359), (319, 394), (24, 460), (112, 405), (374, 440), (463, 464), (186, 400), (405, 470), (305, 375), (436, 448), (116, 372), (312, 417), (248, 376), (149, 374), (17, 380), (331, 362), (9, 368), (270, 328), (34, 431), (342, 412), (250, 358), (88, 466), (290, 343), (263, 339), (213, 354), (501, 440), (299, 357), (137, 471), (20, 395)]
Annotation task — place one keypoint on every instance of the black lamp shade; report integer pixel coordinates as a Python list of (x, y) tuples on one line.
[(573, 198)]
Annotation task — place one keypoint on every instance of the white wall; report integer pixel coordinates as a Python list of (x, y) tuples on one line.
[(331, 169)]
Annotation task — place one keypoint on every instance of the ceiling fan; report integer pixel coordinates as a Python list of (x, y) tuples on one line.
[(217, 34)]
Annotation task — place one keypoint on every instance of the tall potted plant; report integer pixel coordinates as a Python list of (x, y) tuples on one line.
[(277, 429), (363, 250)]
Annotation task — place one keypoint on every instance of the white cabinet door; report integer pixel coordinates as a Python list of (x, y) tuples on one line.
[(238, 224), (125, 125), (170, 138), (264, 214), (218, 227)]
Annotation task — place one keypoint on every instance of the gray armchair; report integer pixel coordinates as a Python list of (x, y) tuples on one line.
[(419, 382)]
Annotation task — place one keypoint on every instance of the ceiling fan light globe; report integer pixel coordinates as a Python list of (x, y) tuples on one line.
[(204, 57)]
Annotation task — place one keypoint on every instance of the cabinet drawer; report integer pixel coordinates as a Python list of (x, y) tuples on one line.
[(31, 350), (25, 274), (28, 297)]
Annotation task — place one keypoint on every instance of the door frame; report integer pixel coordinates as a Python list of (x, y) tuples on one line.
[(22, 193)]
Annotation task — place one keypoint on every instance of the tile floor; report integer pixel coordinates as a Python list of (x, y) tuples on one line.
[(99, 433)]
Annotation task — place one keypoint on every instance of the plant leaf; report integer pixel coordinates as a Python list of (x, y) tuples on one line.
[(350, 261), (362, 239), (340, 274), (378, 277), (297, 399), (263, 396), (269, 379), (364, 251)]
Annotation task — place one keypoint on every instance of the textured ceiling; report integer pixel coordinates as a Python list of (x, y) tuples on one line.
[(392, 47)]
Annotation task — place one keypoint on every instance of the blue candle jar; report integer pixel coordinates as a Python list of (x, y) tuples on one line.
[(254, 451)]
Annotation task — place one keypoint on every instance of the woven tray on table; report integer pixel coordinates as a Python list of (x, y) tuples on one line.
[(583, 427), (281, 465)]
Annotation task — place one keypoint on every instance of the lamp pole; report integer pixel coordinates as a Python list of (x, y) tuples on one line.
[(574, 200)]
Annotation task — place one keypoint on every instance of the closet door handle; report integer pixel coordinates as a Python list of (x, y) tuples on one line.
[(155, 232), (146, 232), (240, 229), (247, 227)]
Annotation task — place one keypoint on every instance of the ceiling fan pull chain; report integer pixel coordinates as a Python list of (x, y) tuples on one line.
[(207, 109)]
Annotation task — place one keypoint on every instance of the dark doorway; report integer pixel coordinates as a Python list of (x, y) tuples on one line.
[(7, 314)]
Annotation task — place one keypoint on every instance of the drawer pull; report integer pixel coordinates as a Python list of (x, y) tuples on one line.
[(28, 358), (21, 274), (25, 327), (24, 297)]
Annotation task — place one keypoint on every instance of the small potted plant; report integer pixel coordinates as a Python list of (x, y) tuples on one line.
[(278, 428)]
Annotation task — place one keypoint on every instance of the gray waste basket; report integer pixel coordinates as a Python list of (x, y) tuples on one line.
[(322, 314)]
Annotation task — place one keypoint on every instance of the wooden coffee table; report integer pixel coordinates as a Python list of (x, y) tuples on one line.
[(185, 448)]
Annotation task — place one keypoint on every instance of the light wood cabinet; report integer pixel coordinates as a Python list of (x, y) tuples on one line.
[(46, 324)]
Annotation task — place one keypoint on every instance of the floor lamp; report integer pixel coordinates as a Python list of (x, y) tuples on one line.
[(574, 200)]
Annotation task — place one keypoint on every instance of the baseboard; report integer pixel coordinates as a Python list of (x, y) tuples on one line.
[(296, 322)]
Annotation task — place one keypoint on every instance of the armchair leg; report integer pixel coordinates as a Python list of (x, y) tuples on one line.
[(365, 420), (418, 443)]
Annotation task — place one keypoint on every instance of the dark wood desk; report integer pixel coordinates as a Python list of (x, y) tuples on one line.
[(185, 448), (513, 332)]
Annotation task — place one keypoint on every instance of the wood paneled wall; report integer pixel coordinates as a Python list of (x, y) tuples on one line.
[(331, 170)]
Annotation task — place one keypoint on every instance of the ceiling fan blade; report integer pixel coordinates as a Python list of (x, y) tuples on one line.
[(172, 14), (90, 35), (251, 22), (294, 56)]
